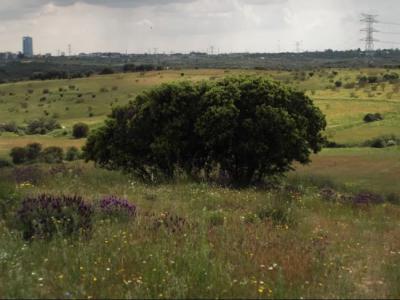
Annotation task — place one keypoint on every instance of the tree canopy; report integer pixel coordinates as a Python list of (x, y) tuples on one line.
[(246, 127)]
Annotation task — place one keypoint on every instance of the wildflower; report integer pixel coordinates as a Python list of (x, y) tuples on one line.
[(261, 289), (94, 279)]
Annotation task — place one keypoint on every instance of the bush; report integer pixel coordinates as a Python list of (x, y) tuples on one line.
[(52, 155), (338, 84), (80, 130), (373, 118), (367, 198), (4, 163), (72, 154), (46, 216), (9, 127), (42, 126), (18, 155), (106, 71), (383, 142), (248, 126), (117, 208), (33, 151)]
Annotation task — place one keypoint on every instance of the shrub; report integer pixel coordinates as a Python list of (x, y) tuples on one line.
[(106, 71), (46, 91), (116, 208), (80, 130), (391, 77), (373, 118), (4, 163), (46, 216), (9, 127), (383, 142), (72, 154), (393, 198), (42, 126), (338, 84), (248, 126), (367, 198), (33, 151), (52, 155), (18, 155)]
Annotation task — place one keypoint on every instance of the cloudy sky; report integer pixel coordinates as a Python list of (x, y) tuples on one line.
[(139, 26)]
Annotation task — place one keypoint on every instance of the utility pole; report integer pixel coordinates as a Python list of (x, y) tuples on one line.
[(298, 46), (369, 30)]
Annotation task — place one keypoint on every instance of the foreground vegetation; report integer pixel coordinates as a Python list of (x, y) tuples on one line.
[(197, 240)]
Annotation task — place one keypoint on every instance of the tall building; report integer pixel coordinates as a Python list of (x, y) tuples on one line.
[(27, 46)]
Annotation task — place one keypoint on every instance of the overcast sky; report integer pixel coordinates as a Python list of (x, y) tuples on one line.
[(137, 26)]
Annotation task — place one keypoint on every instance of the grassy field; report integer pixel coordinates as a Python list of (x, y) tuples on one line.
[(91, 99), (225, 248), (255, 243)]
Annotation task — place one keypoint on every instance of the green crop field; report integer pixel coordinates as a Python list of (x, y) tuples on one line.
[(199, 240)]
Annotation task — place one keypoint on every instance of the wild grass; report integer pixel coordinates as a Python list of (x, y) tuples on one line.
[(192, 240)]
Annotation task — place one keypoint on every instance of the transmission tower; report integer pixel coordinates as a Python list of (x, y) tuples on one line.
[(69, 50), (369, 30)]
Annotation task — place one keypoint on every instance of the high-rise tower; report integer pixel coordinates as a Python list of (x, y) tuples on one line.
[(27, 46)]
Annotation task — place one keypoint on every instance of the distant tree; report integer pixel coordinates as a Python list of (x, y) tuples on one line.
[(18, 155), (80, 130), (106, 71)]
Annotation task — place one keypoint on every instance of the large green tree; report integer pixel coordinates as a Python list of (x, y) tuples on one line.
[(247, 127)]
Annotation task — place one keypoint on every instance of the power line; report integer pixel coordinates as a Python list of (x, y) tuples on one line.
[(387, 42), (390, 23), (384, 32)]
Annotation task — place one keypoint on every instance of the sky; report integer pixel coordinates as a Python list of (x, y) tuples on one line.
[(139, 26)]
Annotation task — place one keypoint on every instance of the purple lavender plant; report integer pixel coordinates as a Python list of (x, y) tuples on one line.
[(114, 207), (47, 215)]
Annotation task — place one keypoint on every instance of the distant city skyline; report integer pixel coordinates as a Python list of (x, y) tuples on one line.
[(142, 26)]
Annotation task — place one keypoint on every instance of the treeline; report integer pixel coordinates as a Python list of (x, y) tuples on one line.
[(59, 75), (141, 68)]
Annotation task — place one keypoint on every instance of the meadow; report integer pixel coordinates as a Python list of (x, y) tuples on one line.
[(305, 238)]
